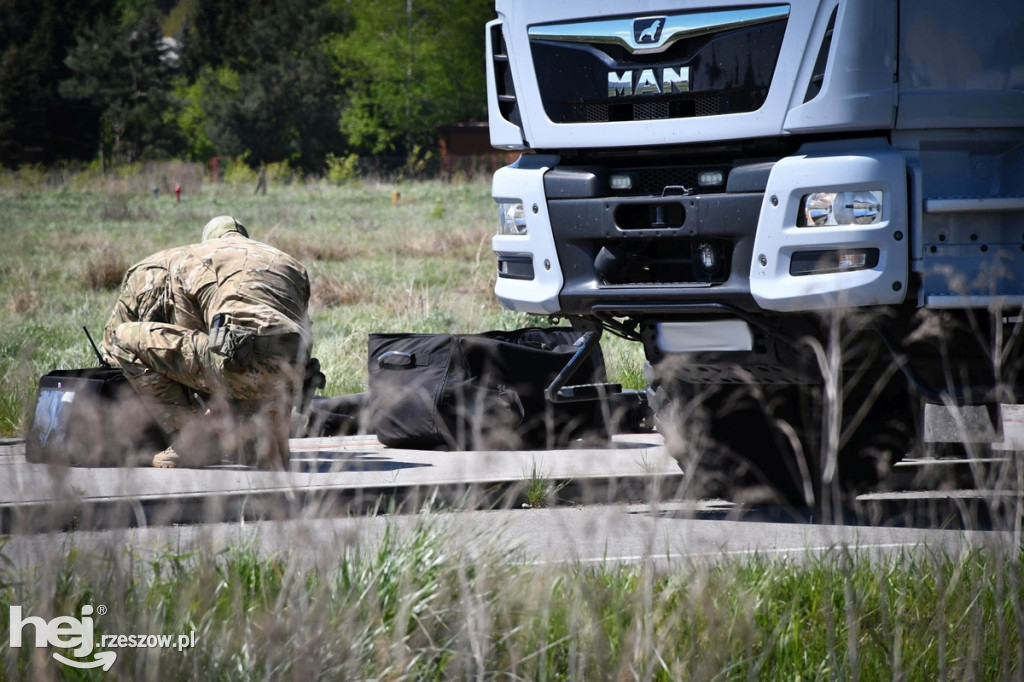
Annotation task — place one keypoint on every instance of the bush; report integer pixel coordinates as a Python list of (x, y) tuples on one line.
[(236, 171), (281, 172), (341, 170)]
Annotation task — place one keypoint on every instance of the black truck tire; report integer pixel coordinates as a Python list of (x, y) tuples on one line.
[(770, 443)]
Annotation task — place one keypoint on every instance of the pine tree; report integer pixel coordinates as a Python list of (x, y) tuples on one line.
[(126, 73), (36, 123)]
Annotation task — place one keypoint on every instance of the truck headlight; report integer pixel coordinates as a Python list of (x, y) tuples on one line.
[(860, 207), (511, 218)]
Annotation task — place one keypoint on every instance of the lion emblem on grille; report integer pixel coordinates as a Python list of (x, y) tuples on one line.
[(648, 30)]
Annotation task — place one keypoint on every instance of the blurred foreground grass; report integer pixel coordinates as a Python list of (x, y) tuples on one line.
[(420, 607), (409, 257)]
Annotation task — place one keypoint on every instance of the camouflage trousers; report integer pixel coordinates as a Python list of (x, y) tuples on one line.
[(211, 408)]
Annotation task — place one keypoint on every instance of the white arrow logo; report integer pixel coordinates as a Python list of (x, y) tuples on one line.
[(104, 658)]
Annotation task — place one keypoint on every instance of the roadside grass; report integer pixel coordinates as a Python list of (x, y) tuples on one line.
[(419, 264), (419, 606), (540, 490)]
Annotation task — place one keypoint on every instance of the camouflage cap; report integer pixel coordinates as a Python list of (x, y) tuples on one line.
[(222, 225)]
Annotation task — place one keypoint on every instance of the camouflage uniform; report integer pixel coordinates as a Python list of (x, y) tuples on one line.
[(145, 294), (230, 332)]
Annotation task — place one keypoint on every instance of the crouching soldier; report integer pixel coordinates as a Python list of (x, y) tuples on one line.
[(222, 353)]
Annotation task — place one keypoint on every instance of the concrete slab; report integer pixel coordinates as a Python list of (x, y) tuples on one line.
[(328, 476)]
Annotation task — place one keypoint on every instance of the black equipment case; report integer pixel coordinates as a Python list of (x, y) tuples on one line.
[(91, 417), (343, 415), (485, 391)]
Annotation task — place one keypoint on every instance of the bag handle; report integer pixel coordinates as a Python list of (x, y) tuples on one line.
[(394, 359), (511, 399)]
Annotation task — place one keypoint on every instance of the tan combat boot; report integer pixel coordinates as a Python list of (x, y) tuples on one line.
[(202, 442), (166, 459), (272, 448)]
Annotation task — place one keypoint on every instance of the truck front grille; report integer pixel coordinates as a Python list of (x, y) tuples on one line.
[(705, 105), (669, 180), (586, 76)]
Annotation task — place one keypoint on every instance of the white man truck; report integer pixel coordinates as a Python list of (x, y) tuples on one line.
[(810, 213)]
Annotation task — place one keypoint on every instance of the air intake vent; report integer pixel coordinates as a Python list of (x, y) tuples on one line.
[(503, 77), (642, 110), (818, 77)]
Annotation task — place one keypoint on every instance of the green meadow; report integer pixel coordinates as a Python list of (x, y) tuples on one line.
[(382, 257)]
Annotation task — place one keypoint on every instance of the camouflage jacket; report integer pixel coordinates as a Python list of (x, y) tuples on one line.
[(253, 285), (145, 294)]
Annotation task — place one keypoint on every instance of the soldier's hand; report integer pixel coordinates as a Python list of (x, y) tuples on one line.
[(313, 381)]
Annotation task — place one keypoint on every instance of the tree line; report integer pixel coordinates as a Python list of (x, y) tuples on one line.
[(295, 81)]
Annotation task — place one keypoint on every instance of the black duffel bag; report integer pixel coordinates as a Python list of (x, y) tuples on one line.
[(480, 391)]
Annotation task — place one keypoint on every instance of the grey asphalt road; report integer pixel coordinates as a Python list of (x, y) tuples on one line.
[(604, 523), (663, 533)]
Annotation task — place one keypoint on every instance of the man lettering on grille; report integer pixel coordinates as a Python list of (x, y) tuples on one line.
[(220, 348)]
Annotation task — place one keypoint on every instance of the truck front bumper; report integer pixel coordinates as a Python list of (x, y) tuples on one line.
[(587, 251)]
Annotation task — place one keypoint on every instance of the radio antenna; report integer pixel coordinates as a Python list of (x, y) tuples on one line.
[(99, 355)]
